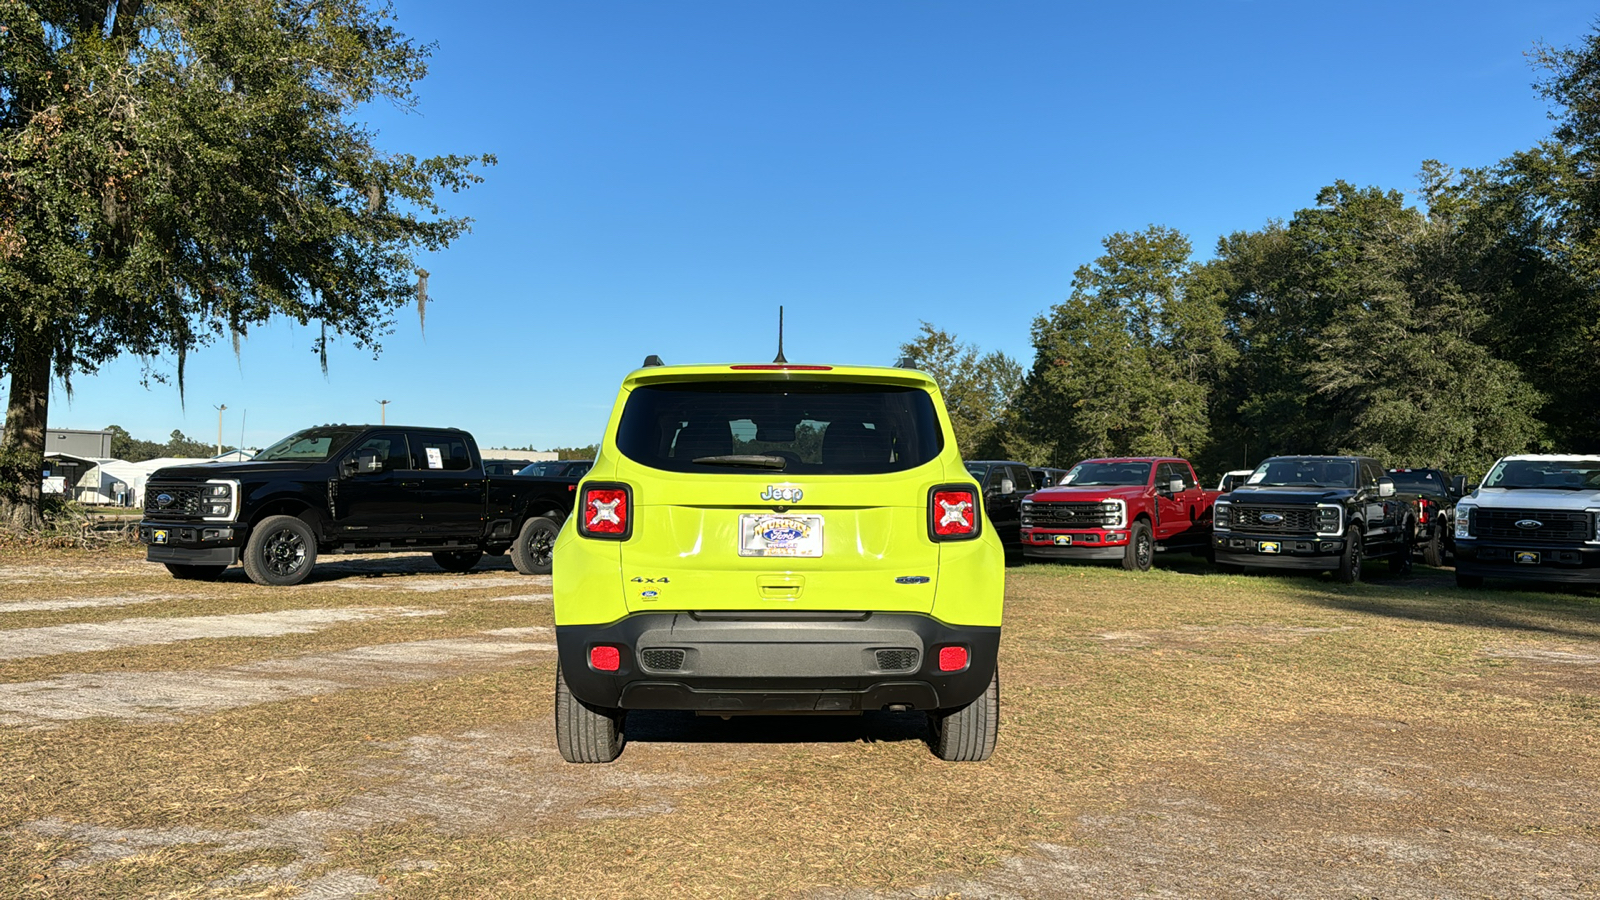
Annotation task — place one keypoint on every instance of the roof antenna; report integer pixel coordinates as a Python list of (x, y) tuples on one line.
[(780, 358)]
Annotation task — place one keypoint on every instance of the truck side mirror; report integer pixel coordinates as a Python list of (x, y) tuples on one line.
[(1458, 486), (364, 462), (1175, 486), (1385, 487), (1007, 486)]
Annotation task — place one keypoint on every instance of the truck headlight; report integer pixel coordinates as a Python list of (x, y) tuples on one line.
[(1221, 516), (1115, 510), (218, 500), (1463, 522), (1594, 519), (1330, 519)]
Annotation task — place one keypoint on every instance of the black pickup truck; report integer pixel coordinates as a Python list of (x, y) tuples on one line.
[(1315, 512), (350, 489), (1434, 494)]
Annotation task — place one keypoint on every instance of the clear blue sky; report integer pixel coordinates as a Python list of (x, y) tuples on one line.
[(671, 172)]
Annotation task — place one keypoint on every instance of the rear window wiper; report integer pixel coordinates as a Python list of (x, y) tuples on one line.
[(748, 461)]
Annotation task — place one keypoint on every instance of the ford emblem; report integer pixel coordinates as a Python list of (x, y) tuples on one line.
[(163, 499), (1271, 518), (1530, 524)]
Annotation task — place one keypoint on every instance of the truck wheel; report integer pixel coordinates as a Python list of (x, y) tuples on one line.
[(457, 560), (968, 734), (532, 552), (1468, 582), (1433, 550), (184, 572), (584, 733), (1141, 548), (281, 551), (1349, 571)]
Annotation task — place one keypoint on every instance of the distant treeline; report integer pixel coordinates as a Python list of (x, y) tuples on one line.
[(1448, 332), (127, 447)]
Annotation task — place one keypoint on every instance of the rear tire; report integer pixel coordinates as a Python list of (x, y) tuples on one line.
[(1141, 549), (185, 572), (1349, 571), (968, 734), (1433, 550), (1468, 582), (457, 560), (533, 552), (280, 552), (584, 733)]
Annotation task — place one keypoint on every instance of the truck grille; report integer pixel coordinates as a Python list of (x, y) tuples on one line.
[(183, 502), (1079, 514), (1296, 520), (1554, 526)]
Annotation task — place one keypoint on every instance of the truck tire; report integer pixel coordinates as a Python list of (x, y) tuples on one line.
[(184, 572), (280, 552), (1349, 571), (457, 560), (584, 733), (1468, 582), (968, 734), (1141, 549), (532, 552), (1433, 550)]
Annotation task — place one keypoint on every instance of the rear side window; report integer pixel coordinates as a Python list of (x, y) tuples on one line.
[(440, 452), (797, 427)]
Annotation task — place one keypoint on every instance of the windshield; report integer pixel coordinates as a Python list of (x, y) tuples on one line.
[(311, 445), (801, 427), (1299, 472), (1559, 474), (1107, 473), (1418, 478)]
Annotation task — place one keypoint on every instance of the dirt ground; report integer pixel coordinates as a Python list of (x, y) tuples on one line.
[(385, 730)]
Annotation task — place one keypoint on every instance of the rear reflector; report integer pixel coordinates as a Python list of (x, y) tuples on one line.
[(953, 513), (605, 659), (952, 659)]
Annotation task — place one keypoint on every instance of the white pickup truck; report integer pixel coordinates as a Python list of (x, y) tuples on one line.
[(1533, 517)]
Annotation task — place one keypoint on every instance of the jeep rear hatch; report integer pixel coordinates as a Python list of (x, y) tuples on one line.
[(780, 494)]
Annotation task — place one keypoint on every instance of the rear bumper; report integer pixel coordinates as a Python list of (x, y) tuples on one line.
[(1237, 548), (774, 664), (1572, 564)]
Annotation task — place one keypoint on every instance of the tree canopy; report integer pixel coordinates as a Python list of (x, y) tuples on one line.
[(177, 171)]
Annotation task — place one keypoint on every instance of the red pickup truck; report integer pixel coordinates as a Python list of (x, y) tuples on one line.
[(1124, 508)]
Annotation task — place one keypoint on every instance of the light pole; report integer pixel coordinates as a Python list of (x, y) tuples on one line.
[(219, 410), (383, 412)]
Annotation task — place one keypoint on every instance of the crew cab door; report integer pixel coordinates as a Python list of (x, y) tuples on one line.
[(446, 485), (1379, 512), (373, 505), (1005, 507)]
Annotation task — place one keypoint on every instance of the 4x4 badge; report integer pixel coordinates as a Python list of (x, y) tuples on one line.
[(773, 492)]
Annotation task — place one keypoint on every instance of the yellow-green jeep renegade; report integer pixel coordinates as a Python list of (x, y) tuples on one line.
[(778, 539)]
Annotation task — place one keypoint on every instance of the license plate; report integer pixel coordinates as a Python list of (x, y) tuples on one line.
[(159, 536), (1063, 540), (1269, 547), (776, 534), (1527, 557)]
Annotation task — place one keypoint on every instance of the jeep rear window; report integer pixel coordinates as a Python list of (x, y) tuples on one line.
[(805, 427)]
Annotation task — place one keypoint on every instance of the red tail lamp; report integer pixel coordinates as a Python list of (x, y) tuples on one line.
[(953, 513), (952, 659), (607, 512), (604, 658)]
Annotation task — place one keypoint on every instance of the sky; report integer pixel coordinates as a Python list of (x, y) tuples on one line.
[(672, 171)]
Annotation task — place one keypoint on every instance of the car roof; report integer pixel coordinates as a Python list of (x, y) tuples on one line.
[(1135, 459), (1552, 457)]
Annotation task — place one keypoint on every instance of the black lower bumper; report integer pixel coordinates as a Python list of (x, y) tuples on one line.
[(1576, 565), (192, 543), (1292, 551), (1087, 551), (720, 662)]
